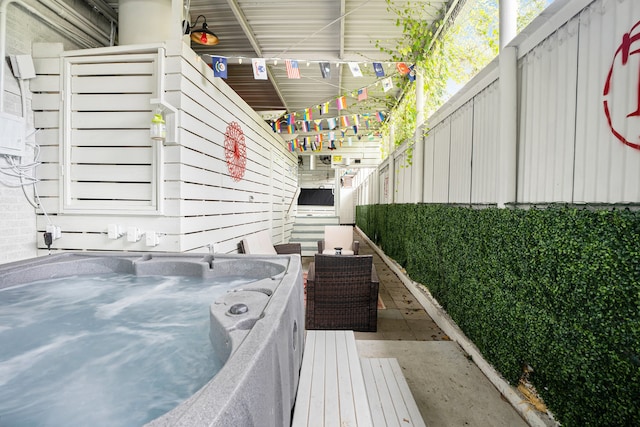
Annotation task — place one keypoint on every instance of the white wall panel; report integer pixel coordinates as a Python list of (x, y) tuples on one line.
[(486, 119), (441, 148), (607, 170), (402, 181), (460, 158), (427, 178), (201, 203), (547, 115), (384, 185)]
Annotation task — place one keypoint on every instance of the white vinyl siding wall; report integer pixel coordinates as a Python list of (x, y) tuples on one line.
[(182, 191)]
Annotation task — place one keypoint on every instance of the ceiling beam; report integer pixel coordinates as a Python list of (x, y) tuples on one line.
[(248, 31)]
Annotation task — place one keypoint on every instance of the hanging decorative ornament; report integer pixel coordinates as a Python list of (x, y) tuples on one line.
[(235, 151)]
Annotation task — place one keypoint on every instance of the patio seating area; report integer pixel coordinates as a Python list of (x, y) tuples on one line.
[(448, 387)]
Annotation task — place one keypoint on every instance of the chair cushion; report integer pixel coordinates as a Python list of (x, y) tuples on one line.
[(259, 243), (338, 236), (333, 251)]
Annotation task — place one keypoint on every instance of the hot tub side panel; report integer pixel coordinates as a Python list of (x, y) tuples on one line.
[(258, 383)]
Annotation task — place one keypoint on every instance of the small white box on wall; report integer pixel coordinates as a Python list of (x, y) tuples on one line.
[(12, 135)]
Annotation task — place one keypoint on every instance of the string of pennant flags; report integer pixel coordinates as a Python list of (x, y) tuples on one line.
[(288, 123), (330, 141)]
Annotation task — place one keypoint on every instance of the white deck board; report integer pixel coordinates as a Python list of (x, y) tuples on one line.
[(390, 398), (331, 391)]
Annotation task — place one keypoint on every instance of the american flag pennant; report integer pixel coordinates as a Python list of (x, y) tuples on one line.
[(387, 84), (341, 103), (344, 121), (379, 69), (259, 69), (332, 123), (307, 115), (362, 94), (355, 69), (293, 71)]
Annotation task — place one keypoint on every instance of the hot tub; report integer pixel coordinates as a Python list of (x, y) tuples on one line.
[(256, 327)]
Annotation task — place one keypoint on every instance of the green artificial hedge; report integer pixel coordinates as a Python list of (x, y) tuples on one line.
[(556, 288)]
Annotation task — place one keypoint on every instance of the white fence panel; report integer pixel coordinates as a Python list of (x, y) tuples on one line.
[(427, 177), (608, 157), (486, 134), (441, 147), (460, 159), (547, 115)]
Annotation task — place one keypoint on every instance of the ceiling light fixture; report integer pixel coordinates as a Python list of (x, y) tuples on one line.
[(202, 35)]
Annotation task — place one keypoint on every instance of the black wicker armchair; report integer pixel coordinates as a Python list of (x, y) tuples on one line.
[(342, 293)]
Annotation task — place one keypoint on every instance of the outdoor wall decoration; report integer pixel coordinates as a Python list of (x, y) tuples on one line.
[(621, 66), (235, 150)]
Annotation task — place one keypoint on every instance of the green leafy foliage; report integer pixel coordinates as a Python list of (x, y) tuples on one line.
[(557, 289), (458, 53)]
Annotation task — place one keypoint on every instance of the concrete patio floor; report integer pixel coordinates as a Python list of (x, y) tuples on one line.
[(448, 386)]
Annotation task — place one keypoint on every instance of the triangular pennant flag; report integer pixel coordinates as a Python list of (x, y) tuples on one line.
[(402, 68), (325, 69), (219, 66), (318, 124), (293, 71), (341, 103), (379, 69), (366, 120), (387, 84), (259, 69), (362, 94), (412, 73), (355, 69)]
